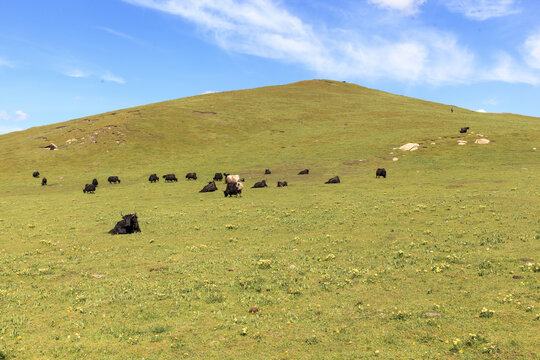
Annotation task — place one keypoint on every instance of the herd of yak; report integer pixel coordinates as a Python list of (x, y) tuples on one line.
[(234, 182)]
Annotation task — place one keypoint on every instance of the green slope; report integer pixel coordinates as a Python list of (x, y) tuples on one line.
[(338, 271)]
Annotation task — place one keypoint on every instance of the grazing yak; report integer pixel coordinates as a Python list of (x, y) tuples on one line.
[(282, 184), (334, 180), (260, 184), (95, 182), (170, 177), (234, 188), (128, 225), (190, 176), (113, 180), (304, 172), (464, 130), (232, 179), (380, 172), (153, 178), (44, 181), (210, 187), (218, 177), (89, 188), (35, 174), (267, 172)]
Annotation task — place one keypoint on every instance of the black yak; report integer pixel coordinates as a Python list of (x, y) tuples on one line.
[(282, 184), (304, 172), (128, 225), (267, 172), (464, 130), (233, 188), (113, 180), (210, 187), (44, 181), (170, 177), (260, 184), (95, 182), (190, 176), (334, 180), (380, 172), (89, 188), (218, 177), (153, 178), (35, 174)]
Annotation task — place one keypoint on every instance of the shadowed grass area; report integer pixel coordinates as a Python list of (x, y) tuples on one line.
[(411, 266)]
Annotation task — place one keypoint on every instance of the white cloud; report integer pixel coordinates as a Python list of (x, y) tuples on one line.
[(109, 77), (6, 63), (407, 7), (21, 115), (507, 70), (483, 9), (532, 50), (4, 115), (7, 129), (76, 73), (117, 33), (481, 110), (265, 28), (106, 76), (209, 92)]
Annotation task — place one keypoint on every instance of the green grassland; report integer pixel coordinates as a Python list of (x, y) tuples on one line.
[(344, 271)]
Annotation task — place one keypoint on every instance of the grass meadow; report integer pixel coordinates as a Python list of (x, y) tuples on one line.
[(440, 260)]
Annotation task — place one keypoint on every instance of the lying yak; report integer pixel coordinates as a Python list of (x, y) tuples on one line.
[(282, 184), (464, 130), (334, 180), (35, 174), (304, 172), (380, 172), (95, 182), (128, 225), (113, 180), (260, 184), (267, 172), (44, 181), (234, 188), (218, 177), (89, 188), (153, 178), (210, 187), (190, 176), (170, 177)]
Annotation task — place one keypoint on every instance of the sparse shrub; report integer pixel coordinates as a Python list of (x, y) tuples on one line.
[(486, 313), (264, 264)]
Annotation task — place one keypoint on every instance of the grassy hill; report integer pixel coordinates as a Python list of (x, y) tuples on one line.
[(340, 271)]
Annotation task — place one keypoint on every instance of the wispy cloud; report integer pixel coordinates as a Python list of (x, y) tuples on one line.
[(8, 129), (509, 70), (483, 9), (4, 115), (76, 73), (265, 28), (109, 77), (481, 110), (105, 76), (19, 115), (6, 63), (532, 50), (117, 33), (406, 7)]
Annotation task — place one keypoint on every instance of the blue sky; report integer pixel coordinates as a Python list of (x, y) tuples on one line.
[(63, 59)]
